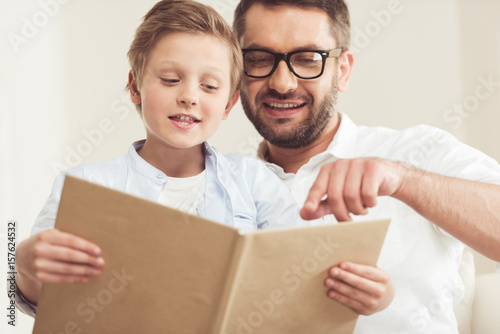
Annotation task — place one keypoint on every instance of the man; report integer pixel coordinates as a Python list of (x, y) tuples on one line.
[(449, 199)]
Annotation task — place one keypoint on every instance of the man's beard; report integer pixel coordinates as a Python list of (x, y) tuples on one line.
[(301, 135)]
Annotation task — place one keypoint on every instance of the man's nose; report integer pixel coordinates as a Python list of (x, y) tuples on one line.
[(282, 80)]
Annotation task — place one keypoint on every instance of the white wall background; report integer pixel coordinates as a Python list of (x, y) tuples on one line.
[(62, 101)]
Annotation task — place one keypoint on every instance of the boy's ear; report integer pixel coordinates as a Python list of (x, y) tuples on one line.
[(135, 95), (230, 104)]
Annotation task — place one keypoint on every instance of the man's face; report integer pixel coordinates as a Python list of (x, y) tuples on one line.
[(287, 111)]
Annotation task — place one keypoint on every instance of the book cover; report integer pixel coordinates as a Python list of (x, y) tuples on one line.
[(170, 272)]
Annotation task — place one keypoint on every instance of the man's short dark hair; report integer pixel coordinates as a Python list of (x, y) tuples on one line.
[(336, 9)]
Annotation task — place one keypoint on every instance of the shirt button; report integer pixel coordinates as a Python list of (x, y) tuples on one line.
[(160, 176)]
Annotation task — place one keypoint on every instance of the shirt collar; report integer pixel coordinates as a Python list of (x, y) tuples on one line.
[(344, 142), (263, 154), (142, 166), (145, 168), (341, 147), (207, 149)]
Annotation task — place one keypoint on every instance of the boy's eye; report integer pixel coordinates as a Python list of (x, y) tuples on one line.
[(210, 87), (169, 81)]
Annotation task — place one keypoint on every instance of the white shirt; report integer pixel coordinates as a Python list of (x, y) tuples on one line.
[(420, 258), (184, 193)]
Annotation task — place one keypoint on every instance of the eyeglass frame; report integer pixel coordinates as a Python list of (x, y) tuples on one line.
[(325, 54)]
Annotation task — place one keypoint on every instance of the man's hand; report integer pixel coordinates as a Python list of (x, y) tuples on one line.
[(351, 186), (365, 289), (53, 256)]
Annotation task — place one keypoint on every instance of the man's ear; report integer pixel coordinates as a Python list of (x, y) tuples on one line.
[(135, 95), (346, 61), (230, 104)]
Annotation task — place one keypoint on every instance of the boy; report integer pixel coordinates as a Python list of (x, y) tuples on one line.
[(186, 67)]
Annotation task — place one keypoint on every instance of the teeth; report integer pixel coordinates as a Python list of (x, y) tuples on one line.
[(184, 118), (283, 105)]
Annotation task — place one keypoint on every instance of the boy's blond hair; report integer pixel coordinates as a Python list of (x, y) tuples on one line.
[(188, 16)]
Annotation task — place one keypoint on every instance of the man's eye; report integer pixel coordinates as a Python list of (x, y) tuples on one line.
[(259, 61), (307, 59)]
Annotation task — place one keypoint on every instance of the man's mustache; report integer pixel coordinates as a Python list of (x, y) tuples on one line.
[(271, 94)]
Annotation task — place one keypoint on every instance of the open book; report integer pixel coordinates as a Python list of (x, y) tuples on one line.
[(170, 272)]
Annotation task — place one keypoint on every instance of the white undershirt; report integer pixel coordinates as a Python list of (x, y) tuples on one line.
[(184, 193)]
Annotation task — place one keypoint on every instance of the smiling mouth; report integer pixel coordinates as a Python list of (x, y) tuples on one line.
[(284, 106), (184, 120)]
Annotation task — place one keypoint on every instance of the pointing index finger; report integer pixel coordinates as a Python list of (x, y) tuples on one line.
[(316, 193)]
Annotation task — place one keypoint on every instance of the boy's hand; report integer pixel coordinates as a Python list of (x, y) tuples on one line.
[(363, 288), (53, 256)]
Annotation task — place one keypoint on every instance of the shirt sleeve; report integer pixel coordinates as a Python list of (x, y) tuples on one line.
[(47, 216), (276, 207), (45, 220), (441, 153), (23, 304)]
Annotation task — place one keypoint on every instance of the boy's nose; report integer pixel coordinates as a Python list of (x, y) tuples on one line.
[(188, 99), (282, 80)]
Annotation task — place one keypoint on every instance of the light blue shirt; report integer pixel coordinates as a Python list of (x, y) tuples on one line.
[(240, 191)]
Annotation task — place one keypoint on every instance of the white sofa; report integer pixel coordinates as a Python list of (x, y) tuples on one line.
[(486, 306), (479, 312)]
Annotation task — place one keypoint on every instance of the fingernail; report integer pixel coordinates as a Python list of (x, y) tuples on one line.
[(95, 272), (330, 283), (84, 279), (343, 265), (332, 294), (100, 261), (335, 272)]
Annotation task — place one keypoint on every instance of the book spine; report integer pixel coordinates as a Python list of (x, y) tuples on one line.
[(228, 294)]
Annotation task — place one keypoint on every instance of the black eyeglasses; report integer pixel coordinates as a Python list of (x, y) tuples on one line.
[(304, 64)]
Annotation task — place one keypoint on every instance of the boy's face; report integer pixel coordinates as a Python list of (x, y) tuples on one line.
[(185, 89)]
